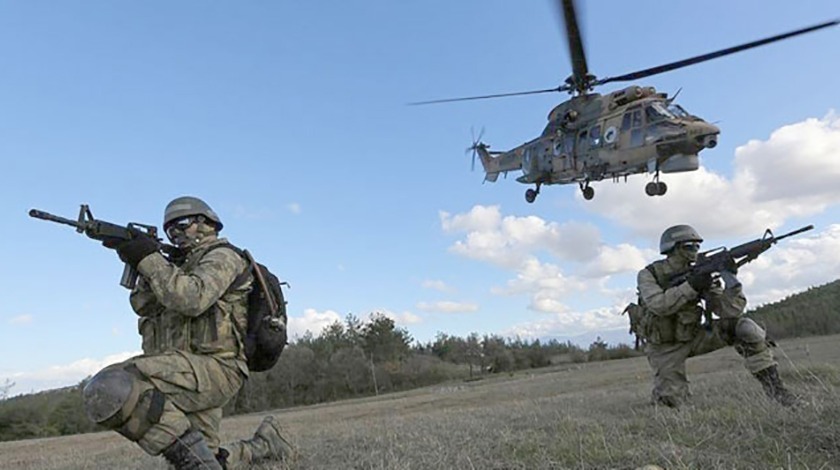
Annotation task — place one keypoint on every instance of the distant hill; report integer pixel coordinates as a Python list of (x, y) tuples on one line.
[(815, 311)]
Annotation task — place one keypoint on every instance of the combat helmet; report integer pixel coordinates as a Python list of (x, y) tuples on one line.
[(186, 206), (676, 234)]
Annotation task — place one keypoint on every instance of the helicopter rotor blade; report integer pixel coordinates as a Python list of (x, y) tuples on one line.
[(712, 55), (499, 95), (475, 143), (580, 72)]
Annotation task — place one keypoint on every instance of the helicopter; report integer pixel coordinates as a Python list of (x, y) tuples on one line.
[(592, 137)]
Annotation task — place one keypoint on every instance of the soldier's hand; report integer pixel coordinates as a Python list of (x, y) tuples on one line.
[(112, 242), (700, 282), (133, 251), (731, 266)]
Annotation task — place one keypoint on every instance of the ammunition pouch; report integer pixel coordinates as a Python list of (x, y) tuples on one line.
[(688, 322), (681, 327)]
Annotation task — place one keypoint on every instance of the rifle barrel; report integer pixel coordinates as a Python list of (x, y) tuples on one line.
[(795, 232), (52, 218)]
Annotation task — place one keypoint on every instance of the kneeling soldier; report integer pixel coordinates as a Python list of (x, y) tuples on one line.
[(193, 312), (672, 321)]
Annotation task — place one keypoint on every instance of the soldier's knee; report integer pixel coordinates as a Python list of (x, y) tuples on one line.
[(748, 331), (115, 399), (112, 393)]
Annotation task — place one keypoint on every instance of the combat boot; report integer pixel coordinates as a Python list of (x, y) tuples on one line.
[(190, 452), (773, 386), (268, 443)]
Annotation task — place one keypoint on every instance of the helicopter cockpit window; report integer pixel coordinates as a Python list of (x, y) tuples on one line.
[(637, 118), (632, 118), (595, 136), (678, 111), (657, 112)]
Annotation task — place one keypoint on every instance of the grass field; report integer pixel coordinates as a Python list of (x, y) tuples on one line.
[(584, 416)]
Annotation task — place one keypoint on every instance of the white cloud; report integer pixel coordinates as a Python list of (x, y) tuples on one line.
[(799, 163), (514, 243), (437, 285), (479, 218), (572, 323), (447, 306), (546, 284), (404, 318), (507, 241), (794, 173), (294, 207), (312, 321), (21, 320), (63, 375), (618, 259)]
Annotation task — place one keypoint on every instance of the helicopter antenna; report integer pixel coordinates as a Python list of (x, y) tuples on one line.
[(673, 98)]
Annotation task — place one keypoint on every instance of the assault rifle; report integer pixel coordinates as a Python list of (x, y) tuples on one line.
[(102, 231), (720, 260)]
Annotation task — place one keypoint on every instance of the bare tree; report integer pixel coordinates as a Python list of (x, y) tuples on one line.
[(5, 389)]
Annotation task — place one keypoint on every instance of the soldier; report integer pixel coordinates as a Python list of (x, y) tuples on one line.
[(193, 312), (672, 321)]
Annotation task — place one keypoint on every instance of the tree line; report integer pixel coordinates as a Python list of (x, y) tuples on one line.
[(355, 358)]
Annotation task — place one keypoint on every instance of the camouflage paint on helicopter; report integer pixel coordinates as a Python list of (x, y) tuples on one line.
[(593, 137)]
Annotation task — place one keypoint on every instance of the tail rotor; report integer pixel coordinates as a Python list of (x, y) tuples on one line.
[(476, 144)]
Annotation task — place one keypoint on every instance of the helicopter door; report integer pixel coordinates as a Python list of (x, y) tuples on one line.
[(582, 143), (563, 152), (632, 134)]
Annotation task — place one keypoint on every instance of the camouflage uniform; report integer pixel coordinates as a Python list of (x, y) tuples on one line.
[(192, 315), (672, 323), (675, 332), (192, 349)]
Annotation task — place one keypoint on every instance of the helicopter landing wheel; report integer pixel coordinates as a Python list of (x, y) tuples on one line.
[(530, 195), (588, 192), (656, 188)]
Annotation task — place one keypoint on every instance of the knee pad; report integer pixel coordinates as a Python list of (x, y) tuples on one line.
[(748, 331), (115, 399), (112, 394)]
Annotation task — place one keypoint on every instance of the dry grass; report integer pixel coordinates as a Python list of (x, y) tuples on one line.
[(587, 416)]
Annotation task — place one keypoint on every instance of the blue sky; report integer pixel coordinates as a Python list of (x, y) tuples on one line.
[(290, 119)]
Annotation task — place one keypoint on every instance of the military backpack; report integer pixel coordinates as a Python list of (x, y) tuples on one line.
[(266, 335), (642, 319)]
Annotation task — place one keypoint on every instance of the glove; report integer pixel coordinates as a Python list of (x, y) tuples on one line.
[(133, 251), (112, 242), (731, 266), (701, 282)]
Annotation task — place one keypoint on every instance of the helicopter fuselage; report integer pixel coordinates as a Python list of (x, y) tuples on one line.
[(593, 137)]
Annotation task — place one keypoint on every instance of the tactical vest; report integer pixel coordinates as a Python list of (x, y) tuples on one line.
[(678, 327), (216, 331)]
